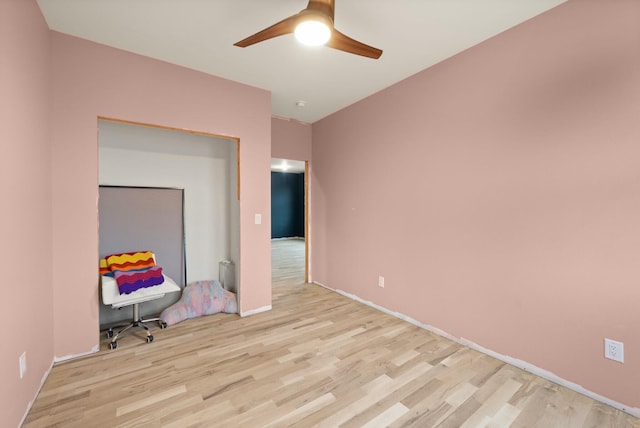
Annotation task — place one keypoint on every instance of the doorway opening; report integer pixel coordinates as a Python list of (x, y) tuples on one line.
[(289, 222)]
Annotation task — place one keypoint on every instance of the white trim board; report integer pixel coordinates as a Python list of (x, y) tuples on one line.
[(55, 360), (255, 311), (95, 349), (552, 377), (45, 376)]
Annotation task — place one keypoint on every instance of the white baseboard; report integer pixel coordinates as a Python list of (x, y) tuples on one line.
[(46, 375), (255, 311), (289, 238), (634, 411), (42, 381), (72, 356)]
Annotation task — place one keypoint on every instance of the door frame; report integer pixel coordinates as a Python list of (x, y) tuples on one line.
[(307, 238)]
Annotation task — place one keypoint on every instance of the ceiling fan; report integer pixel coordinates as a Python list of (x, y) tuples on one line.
[(317, 19)]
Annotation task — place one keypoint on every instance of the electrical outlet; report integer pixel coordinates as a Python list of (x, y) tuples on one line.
[(381, 281), (23, 364), (614, 350)]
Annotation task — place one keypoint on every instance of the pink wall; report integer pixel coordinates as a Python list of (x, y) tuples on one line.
[(25, 218), (290, 139), (92, 80), (498, 194)]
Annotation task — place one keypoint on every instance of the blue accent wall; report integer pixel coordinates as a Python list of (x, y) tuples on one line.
[(287, 205)]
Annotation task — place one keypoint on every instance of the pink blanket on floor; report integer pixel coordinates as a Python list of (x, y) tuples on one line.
[(200, 298)]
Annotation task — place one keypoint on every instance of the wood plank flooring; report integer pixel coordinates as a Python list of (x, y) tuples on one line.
[(317, 359)]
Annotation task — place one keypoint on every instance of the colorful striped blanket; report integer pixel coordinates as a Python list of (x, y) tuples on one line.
[(132, 271)]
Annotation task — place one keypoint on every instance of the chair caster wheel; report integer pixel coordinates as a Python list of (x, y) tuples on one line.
[(113, 345), (109, 334), (163, 324), (149, 339)]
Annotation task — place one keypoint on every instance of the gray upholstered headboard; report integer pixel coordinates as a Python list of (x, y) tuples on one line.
[(138, 219)]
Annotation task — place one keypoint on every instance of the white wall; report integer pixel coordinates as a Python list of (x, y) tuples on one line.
[(150, 157)]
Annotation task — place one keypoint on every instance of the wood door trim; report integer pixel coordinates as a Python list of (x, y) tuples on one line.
[(307, 278)]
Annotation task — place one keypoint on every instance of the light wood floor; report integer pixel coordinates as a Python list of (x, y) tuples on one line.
[(316, 359)]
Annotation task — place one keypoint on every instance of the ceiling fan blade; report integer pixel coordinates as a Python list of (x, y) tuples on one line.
[(345, 43), (286, 26)]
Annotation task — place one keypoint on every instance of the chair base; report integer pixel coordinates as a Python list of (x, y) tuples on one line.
[(137, 321)]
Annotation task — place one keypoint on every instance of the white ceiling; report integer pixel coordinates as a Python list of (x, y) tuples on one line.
[(199, 34)]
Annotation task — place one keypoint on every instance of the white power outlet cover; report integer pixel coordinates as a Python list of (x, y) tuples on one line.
[(23, 364), (381, 281), (614, 350)]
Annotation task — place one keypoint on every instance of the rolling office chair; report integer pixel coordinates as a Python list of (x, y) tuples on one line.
[(111, 296)]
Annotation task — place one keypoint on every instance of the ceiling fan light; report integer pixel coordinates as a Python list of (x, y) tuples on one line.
[(313, 33)]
